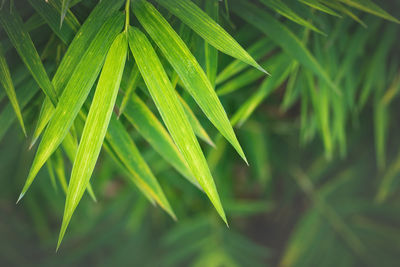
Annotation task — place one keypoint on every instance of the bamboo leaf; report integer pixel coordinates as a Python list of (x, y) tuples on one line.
[(83, 38), (133, 82), (194, 122), (75, 94), (319, 6), (339, 7), (51, 16), (281, 64), (208, 29), (211, 54), (95, 127), (125, 152), (370, 7), (147, 124), (64, 9), (281, 8), (257, 51), (188, 69), (280, 34), (12, 24), (7, 83), (240, 81), (24, 94), (172, 113)]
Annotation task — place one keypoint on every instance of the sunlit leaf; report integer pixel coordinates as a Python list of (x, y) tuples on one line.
[(188, 69), (95, 127), (203, 25), (172, 113), (74, 94), (154, 132), (83, 38)]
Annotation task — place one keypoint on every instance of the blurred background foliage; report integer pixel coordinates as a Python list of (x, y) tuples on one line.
[(322, 188)]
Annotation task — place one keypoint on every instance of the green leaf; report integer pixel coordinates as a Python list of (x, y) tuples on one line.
[(240, 81), (133, 81), (370, 7), (190, 72), (319, 6), (75, 93), (125, 152), (12, 24), (281, 35), (281, 66), (211, 54), (339, 7), (51, 16), (50, 169), (208, 29), (7, 83), (59, 169), (257, 51), (25, 94), (147, 124), (83, 38), (64, 9), (194, 122), (70, 146), (95, 127), (281, 8), (172, 113)]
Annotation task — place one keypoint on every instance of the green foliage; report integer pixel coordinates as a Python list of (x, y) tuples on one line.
[(318, 132)]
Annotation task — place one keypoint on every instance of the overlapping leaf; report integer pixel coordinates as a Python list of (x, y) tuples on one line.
[(7, 83), (76, 50), (188, 69), (95, 127), (172, 113), (75, 94), (280, 34), (208, 29), (154, 132), (19, 37)]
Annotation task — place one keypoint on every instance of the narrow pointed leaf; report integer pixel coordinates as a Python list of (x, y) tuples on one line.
[(370, 7), (52, 18), (75, 94), (64, 9), (190, 72), (127, 153), (83, 38), (341, 8), (281, 64), (207, 28), (194, 122), (211, 53), (257, 51), (319, 6), (281, 8), (280, 34), (95, 127), (133, 82), (7, 83), (19, 37), (172, 113), (25, 94), (154, 132)]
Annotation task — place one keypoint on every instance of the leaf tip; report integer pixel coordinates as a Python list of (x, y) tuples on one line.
[(32, 143), (262, 69), (20, 197)]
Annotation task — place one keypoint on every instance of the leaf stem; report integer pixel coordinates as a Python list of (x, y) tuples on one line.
[(127, 4)]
